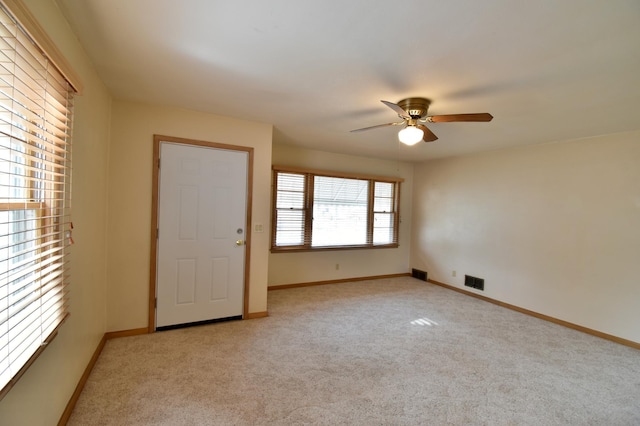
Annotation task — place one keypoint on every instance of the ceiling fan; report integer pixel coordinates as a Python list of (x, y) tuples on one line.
[(413, 112)]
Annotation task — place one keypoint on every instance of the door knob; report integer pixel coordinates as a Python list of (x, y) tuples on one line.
[(239, 242)]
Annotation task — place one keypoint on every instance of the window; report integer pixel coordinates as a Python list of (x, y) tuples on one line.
[(324, 210), (35, 123)]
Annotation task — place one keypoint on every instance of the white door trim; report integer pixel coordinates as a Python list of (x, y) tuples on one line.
[(154, 218)]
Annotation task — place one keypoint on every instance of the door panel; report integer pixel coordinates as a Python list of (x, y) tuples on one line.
[(202, 200), (186, 281), (220, 278)]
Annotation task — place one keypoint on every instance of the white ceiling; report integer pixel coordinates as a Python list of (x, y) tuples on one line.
[(547, 70)]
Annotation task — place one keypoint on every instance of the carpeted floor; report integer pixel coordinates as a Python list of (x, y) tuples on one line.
[(382, 352)]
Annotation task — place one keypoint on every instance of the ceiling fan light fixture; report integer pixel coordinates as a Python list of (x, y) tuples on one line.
[(410, 135)]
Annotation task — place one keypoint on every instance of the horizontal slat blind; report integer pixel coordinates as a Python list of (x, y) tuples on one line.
[(290, 212), (35, 169), (384, 217)]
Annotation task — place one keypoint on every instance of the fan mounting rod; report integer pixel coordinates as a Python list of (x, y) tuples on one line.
[(415, 107)]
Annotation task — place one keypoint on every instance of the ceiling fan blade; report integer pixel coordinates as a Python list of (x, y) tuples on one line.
[(379, 125), (402, 113), (481, 116), (428, 136)]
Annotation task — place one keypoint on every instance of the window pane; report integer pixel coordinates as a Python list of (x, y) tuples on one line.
[(382, 204), (384, 189), (290, 182), (340, 190), (382, 228), (383, 197), (289, 227), (339, 211), (290, 200), (13, 171), (290, 191)]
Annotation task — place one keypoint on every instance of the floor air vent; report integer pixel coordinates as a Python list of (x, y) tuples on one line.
[(421, 275), (474, 282)]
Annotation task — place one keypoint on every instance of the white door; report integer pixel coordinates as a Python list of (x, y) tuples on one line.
[(201, 225)]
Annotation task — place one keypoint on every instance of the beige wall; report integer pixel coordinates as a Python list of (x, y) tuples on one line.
[(130, 183), (293, 268), (41, 395), (553, 228)]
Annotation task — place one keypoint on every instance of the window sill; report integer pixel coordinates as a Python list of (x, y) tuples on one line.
[(330, 248)]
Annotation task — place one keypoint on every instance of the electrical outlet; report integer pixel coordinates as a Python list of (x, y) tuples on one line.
[(453, 273)]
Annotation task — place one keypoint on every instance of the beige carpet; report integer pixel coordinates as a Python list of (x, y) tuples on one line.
[(381, 352)]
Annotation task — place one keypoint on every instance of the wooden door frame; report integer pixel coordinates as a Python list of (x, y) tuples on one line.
[(154, 218)]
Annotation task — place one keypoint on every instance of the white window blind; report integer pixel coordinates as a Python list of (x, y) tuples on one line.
[(35, 125), (383, 213), (315, 211), (290, 209)]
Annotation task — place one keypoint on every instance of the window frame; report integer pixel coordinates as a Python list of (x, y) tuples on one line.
[(310, 175)]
